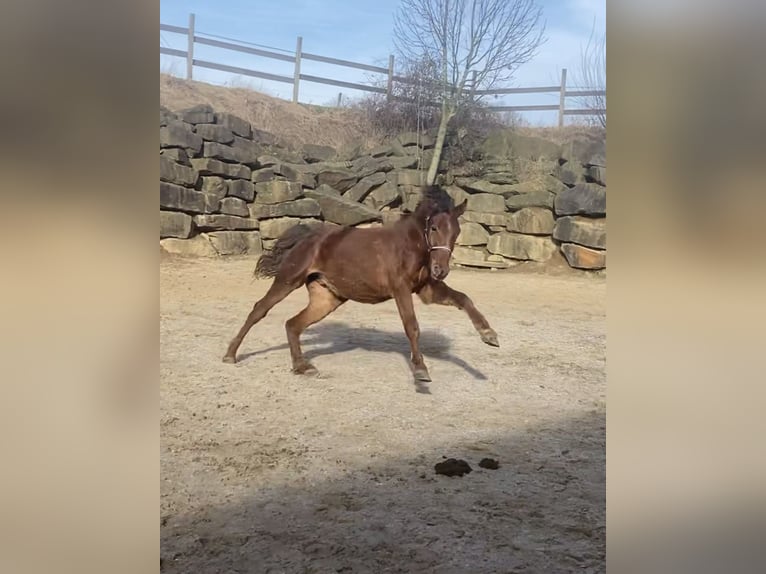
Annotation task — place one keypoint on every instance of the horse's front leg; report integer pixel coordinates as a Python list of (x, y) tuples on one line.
[(409, 320), (440, 293)]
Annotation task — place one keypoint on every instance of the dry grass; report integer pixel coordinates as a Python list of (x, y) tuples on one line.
[(292, 124), (296, 124), (565, 134)]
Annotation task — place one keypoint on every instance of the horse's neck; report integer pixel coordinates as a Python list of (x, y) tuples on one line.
[(412, 229), (411, 223)]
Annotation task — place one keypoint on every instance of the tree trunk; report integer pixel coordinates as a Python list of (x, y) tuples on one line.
[(448, 112)]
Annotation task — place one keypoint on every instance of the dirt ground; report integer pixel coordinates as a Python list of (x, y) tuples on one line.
[(266, 471)]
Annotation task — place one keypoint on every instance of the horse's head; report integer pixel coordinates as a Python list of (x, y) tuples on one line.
[(441, 232)]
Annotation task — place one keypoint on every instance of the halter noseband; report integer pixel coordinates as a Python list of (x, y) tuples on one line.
[(428, 242)]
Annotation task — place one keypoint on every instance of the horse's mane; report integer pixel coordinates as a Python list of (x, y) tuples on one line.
[(433, 200)]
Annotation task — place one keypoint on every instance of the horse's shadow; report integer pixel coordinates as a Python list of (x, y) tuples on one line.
[(331, 338)]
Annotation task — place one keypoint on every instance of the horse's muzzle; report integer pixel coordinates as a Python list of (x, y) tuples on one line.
[(438, 273)]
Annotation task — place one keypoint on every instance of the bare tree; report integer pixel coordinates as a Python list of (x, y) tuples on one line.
[(478, 41), (591, 75)]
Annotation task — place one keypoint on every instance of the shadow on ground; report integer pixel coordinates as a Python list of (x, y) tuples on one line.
[(335, 338), (542, 511)]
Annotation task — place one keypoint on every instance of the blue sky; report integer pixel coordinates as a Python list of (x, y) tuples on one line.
[(357, 30)]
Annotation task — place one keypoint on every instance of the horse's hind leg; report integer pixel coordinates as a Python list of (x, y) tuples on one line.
[(278, 291), (322, 302)]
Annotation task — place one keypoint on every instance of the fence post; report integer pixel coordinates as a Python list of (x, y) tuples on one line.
[(190, 49), (297, 75), (390, 85), (562, 98), (340, 97)]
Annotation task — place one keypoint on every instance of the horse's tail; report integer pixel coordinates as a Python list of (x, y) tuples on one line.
[(268, 264)]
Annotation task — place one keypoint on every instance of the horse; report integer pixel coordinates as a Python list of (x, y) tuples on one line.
[(367, 265)]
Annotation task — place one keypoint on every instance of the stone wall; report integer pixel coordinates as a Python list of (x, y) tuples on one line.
[(227, 188)]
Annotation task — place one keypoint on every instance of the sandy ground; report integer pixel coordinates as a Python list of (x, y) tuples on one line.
[(266, 471)]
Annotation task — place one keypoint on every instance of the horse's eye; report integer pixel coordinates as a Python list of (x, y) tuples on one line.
[(433, 228)]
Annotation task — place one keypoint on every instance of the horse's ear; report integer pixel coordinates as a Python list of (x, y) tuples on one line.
[(460, 209)]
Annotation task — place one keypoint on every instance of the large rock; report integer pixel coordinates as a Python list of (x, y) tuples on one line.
[(531, 220), (242, 188), (214, 185), (289, 172), (402, 162), (265, 174), (234, 206), (582, 230), (176, 173), (483, 186), (365, 166), (382, 150), (583, 199), (468, 257), (179, 198), (382, 196), (235, 124), (197, 246), (340, 210), (410, 177), (314, 153), (523, 247), (457, 194), (236, 242), (585, 149), (166, 116), (486, 203), (178, 134), (214, 133), (277, 191), (534, 199), (269, 139), (327, 190), (177, 154), (267, 160), (307, 180), (499, 219), (299, 208), (247, 151), (472, 234), (339, 179), (501, 177), (226, 153), (175, 224), (210, 166), (414, 138), (596, 174), (570, 173), (545, 183), (361, 188), (229, 222), (583, 257), (410, 199), (199, 114), (505, 143), (274, 228), (461, 254)]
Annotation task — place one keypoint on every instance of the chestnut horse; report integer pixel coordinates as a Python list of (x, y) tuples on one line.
[(369, 266)]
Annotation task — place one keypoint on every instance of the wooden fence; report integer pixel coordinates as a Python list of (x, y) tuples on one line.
[(299, 55)]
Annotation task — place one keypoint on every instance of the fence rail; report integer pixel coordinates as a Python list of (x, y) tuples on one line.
[(299, 55)]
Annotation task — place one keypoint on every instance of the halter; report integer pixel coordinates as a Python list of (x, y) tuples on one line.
[(428, 242)]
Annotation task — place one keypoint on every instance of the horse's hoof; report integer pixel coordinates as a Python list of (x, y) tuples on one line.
[(489, 337), (422, 376), (230, 359), (305, 368)]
